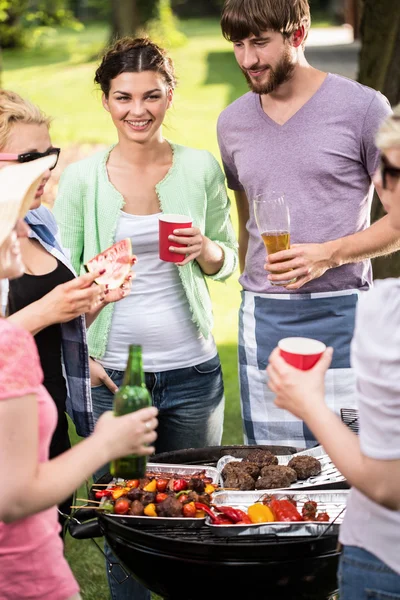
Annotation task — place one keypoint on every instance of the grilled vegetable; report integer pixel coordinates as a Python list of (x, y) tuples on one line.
[(161, 485), (179, 485), (206, 509), (309, 510), (259, 513), (103, 494), (183, 497), (189, 510), (234, 514), (150, 510), (132, 483), (284, 510), (322, 517), (122, 506), (118, 492), (209, 489), (160, 497), (151, 486)]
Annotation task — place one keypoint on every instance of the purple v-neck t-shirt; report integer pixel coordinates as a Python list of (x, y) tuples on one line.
[(322, 158)]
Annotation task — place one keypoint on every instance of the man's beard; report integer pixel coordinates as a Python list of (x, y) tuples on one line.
[(282, 73)]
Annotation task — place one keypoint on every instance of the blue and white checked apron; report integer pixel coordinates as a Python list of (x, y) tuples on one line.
[(264, 319)]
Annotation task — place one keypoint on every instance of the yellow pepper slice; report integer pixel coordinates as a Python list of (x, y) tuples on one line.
[(118, 492), (151, 487), (150, 510), (259, 513), (209, 489)]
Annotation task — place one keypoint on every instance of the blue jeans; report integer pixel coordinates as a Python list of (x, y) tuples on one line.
[(362, 576), (191, 414)]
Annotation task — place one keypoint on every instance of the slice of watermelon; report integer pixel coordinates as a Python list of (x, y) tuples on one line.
[(116, 260)]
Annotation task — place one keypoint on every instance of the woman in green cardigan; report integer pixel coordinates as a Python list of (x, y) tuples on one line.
[(119, 193)]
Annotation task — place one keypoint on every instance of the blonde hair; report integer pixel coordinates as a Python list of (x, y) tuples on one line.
[(389, 133), (14, 109)]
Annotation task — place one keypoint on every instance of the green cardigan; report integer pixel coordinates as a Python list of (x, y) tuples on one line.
[(87, 211)]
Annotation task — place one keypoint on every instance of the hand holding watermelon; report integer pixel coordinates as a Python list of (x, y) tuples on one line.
[(116, 263)]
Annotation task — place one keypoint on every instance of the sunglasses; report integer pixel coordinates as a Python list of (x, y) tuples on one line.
[(388, 171), (28, 156)]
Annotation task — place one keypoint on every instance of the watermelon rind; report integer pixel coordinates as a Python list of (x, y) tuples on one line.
[(117, 260)]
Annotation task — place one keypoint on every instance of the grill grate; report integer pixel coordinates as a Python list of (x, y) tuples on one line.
[(204, 535), (349, 417)]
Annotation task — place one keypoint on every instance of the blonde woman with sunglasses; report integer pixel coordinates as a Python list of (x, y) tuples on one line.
[(49, 300)]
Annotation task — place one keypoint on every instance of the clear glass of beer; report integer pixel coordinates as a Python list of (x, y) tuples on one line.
[(273, 221)]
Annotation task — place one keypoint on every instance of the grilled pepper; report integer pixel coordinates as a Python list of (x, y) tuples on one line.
[(234, 514), (118, 492), (284, 510), (179, 485), (259, 513), (209, 489), (150, 510), (103, 494), (151, 486), (216, 519)]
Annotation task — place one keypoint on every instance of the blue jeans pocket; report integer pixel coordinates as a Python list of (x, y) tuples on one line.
[(110, 373), (209, 366)]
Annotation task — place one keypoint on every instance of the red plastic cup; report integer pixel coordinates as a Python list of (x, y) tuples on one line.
[(167, 225), (302, 353)]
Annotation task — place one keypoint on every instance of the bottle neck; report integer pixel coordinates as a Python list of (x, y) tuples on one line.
[(134, 375)]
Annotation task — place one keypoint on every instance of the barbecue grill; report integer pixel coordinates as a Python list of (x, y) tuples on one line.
[(180, 563)]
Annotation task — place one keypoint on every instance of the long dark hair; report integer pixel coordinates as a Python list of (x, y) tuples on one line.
[(134, 55)]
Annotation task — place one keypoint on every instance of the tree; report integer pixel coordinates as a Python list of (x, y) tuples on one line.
[(379, 68), (155, 17), (129, 16)]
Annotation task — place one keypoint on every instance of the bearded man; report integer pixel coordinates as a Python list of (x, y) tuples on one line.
[(309, 135)]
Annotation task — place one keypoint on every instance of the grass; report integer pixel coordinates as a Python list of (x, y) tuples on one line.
[(58, 76)]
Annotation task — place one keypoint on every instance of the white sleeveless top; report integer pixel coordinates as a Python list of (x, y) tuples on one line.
[(156, 313), (375, 357)]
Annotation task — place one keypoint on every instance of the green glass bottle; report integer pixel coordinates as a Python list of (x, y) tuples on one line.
[(132, 395)]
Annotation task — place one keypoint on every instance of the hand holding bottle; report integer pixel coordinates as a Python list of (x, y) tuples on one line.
[(129, 434)]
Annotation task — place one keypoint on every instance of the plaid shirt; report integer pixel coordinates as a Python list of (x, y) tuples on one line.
[(75, 354)]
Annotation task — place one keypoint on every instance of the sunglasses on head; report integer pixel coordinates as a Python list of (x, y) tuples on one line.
[(28, 156), (388, 171)]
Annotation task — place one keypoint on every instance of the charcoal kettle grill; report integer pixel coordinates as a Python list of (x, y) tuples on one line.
[(179, 563)]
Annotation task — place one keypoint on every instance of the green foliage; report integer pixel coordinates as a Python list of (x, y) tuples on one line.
[(27, 22), (163, 28), (11, 24)]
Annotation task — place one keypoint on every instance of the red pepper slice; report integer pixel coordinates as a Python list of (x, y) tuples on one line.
[(234, 514), (103, 494), (206, 509), (179, 485), (284, 510)]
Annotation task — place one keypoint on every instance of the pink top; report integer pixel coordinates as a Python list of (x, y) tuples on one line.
[(32, 564)]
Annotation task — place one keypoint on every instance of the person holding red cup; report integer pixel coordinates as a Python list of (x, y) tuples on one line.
[(370, 561), (127, 191)]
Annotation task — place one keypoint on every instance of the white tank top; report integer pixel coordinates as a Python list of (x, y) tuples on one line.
[(156, 314)]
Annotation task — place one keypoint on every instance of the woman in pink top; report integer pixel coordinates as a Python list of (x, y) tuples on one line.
[(32, 565), (370, 534)]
